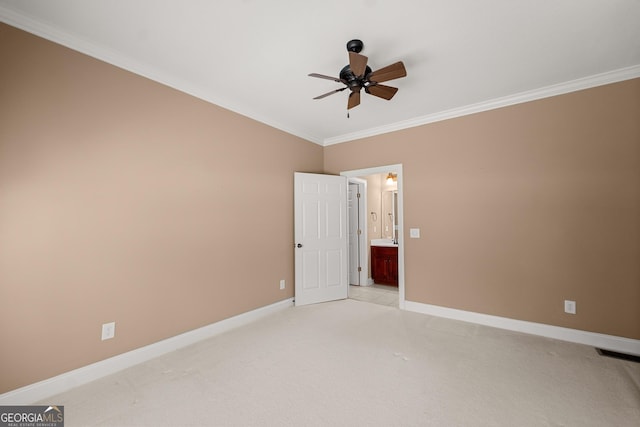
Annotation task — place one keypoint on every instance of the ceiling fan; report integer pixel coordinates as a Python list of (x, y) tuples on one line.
[(358, 75)]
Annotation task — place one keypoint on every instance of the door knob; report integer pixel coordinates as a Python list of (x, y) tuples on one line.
[(299, 245)]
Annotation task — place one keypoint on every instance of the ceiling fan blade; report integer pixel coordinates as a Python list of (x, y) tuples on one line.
[(357, 63), (382, 91), (322, 76), (354, 100), (329, 93), (390, 72)]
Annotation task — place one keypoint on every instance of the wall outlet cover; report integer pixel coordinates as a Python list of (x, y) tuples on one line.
[(570, 307), (108, 330)]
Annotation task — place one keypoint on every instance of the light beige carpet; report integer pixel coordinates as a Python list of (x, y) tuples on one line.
[(351, 363)]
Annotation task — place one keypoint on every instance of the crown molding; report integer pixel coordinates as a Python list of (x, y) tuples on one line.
[(124, 62), (121, 61), (608, 77)]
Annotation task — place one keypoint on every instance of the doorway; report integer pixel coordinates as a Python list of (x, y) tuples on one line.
[(365, 259), (357, 223)]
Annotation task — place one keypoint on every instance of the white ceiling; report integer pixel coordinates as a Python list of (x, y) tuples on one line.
[(253, 56)]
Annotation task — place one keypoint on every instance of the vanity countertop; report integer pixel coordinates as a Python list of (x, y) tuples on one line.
[(384, 242)]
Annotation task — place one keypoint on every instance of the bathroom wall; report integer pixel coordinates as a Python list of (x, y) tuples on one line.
[(376, 188), (387, 202), (374, 206)]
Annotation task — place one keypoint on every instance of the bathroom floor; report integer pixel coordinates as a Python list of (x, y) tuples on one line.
[(377, 294)]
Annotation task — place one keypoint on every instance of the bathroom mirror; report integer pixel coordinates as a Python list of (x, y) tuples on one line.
[(390, 214)]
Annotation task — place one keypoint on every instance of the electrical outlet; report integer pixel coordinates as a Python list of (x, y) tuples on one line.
[(282, 284), (108, 330), (569, 307)]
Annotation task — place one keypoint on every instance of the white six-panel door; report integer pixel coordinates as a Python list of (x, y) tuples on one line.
[(320, 230)]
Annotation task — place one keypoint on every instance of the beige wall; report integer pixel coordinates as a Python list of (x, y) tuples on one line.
[(124, 200), (523, 207)]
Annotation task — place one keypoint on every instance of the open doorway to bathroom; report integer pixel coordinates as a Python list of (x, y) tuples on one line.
[(376, 228)]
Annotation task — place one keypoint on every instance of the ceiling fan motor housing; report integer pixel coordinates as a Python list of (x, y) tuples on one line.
[(351, 79)]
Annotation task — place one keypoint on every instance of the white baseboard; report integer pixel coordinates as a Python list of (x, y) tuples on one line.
[(608, 342), (41, 390)]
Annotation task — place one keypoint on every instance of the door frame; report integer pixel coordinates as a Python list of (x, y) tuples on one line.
[(363, 238), (396, 169)]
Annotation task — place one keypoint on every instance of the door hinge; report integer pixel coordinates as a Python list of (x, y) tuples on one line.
[(359, 269), (359, 232), (358, 195)]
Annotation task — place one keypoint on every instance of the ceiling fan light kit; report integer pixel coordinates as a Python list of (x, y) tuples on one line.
[(357, 75)]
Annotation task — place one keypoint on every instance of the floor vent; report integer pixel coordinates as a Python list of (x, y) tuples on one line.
[(617, 355)]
